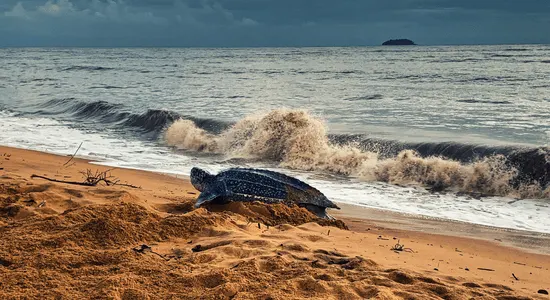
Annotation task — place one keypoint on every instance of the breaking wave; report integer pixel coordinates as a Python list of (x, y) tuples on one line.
[(295, 139)]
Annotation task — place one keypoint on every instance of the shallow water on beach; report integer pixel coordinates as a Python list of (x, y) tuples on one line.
[(463, 104)]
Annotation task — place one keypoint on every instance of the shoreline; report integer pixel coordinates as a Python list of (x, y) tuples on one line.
[(356, 212), (457, 256)]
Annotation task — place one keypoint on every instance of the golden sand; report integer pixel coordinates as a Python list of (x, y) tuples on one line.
[(63, 241)]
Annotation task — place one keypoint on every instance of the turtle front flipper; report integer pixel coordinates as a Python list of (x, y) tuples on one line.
[(206, 196)]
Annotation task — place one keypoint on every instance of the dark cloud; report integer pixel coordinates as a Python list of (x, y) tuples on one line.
[(270, 22)]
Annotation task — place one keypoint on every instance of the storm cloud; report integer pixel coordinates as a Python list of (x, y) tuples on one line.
[(242, 23)]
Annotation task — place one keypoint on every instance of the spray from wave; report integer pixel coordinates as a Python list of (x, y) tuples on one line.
[(297, 140)]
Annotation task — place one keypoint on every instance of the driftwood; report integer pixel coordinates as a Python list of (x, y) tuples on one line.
[(91, 179), (60, 181)]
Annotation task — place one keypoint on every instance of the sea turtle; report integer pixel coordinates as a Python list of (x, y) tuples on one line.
[(247, 185)]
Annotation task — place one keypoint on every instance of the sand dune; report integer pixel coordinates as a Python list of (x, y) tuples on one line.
[(62, 241)]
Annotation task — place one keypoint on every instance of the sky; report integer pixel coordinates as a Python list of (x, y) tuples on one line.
[(270, 23)]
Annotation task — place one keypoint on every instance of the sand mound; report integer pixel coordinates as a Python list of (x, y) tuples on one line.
[(275, 214)]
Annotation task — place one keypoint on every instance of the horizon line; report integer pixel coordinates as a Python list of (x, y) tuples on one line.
[(280, 46)]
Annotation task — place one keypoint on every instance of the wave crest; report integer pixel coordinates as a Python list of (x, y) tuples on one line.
[(184, 134), (295, 139)]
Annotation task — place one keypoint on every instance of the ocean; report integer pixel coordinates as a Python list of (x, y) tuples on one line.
[(453, 132)]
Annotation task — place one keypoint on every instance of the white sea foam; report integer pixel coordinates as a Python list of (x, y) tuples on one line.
[(297, 140)]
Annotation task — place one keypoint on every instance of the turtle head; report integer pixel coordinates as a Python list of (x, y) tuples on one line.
[(200, 178)]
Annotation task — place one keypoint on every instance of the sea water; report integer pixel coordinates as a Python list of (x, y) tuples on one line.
[(420, 130)]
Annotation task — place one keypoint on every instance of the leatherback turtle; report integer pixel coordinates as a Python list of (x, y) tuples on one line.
[(247, 185)]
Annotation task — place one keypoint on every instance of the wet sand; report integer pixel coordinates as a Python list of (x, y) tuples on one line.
[(70, 241)]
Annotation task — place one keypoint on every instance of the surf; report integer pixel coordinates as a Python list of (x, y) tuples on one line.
[(295, 139)]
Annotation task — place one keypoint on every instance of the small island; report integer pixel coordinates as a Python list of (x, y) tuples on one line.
[(398, 42)]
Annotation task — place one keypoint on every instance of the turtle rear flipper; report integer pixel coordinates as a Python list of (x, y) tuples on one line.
[(318, 211)]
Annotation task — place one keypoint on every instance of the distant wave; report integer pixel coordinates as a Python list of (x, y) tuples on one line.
[(483, 101), (516, 49), (489, 79), (87, 68), (366, 97), (37, 80), (153, 120), (295, 139), (343, 72), (107, 87), (494, 79), (413, 76), (272, 72), (503, 55), (455, 60)]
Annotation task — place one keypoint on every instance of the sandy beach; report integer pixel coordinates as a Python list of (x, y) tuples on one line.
[(69, 241)]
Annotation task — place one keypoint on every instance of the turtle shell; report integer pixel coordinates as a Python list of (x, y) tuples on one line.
[(270, 186)]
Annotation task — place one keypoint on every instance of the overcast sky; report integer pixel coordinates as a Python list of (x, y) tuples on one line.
[(242, 23)]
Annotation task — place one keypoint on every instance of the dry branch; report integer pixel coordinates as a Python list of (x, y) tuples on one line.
[(72, 156), (91, 179), (401, 247)]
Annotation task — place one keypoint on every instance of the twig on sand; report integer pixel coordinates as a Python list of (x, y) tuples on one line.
[(72, 164), (485, 269), (401, 247), (145, 248), (91, 179), (72, 156), (514, 275)]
